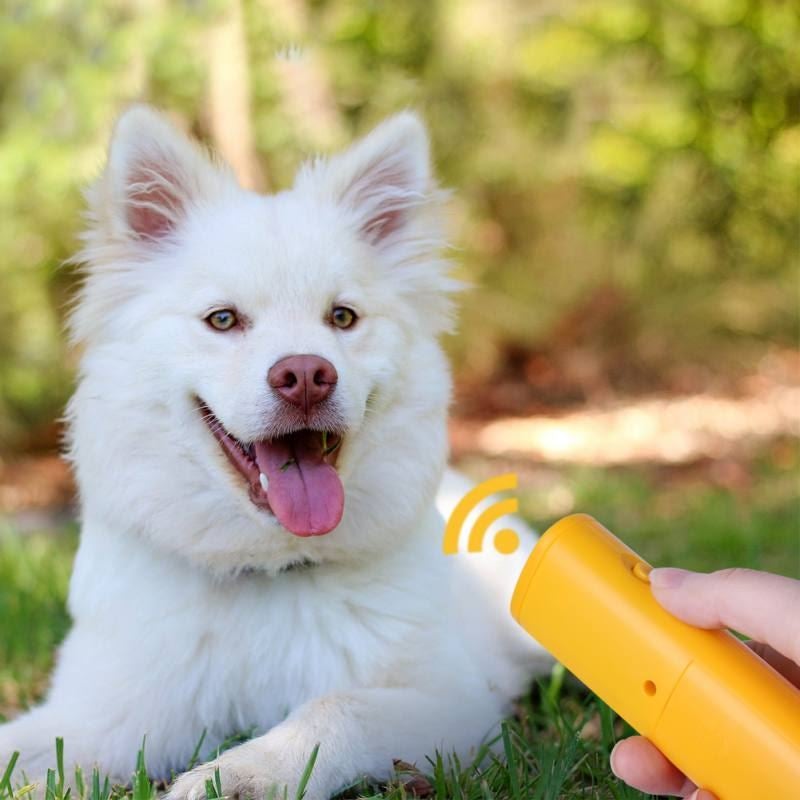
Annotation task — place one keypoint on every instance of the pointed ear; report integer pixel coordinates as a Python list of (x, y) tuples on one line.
[(154, 175), (384, 177)]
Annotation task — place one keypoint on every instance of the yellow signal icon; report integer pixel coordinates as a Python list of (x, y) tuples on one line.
[(506, 541)]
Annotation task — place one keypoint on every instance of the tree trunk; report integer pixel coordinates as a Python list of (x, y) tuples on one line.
[(229, 108)]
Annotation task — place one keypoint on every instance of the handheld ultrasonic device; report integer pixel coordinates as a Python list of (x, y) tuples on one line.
[(714, 708)]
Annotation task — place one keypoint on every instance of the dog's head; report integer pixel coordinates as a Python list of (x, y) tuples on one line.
[(261, 382)]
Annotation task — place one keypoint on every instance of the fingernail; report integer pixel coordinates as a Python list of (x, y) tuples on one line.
[(667, 577), (701, 794)]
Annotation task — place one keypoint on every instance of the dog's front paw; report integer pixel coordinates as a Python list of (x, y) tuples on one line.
[(250, 771)]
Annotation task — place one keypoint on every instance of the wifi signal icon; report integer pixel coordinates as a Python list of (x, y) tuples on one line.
[(506, 541)]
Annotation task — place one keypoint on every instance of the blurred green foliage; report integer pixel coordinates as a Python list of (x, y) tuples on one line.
[(649, 147), (34, 573)]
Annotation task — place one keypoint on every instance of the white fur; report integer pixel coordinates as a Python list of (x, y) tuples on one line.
[(185, 616)]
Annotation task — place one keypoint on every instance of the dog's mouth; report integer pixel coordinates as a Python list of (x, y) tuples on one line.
[(293, 476)]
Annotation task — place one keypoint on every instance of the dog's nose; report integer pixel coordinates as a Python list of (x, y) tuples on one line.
[(304, 381)]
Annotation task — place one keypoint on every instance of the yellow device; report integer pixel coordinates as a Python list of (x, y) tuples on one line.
[(715, 709)]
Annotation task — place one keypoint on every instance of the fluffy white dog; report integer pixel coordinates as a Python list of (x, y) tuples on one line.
[(258, 435)]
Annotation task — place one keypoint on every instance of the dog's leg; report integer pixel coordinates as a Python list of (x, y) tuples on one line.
[(104, 702), (30, 737), (359, 733), (33, 737)]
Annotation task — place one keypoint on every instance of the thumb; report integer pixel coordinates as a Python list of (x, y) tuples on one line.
[(761, 605)]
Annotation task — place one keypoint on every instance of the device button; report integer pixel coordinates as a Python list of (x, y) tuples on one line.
[(642, 571)]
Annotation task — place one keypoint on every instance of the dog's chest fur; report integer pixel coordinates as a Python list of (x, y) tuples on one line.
[(252, 647)]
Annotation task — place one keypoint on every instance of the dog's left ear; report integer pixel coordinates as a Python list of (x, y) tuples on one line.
[(382, 179)]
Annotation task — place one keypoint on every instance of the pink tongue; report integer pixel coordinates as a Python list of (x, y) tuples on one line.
[(305, 493)]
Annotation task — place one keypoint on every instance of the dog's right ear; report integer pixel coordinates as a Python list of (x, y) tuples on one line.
[(154, 176)]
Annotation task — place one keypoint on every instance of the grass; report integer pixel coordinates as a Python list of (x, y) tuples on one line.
[(557, 745), (34, 574)]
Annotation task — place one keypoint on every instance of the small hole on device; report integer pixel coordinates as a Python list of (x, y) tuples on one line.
[(649, 688)]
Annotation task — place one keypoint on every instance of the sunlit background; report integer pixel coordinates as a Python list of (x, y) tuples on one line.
[(625, 177)]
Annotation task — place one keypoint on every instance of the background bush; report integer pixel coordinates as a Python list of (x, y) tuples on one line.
[(626, 172)]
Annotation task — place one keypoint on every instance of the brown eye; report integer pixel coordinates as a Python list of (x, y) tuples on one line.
[(222, 320), (343, 317)]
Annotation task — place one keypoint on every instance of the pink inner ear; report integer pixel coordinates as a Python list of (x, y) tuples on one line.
[(382, 225), (154, 201), (385, 191)]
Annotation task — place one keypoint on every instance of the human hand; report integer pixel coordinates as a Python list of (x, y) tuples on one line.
[(758, 604)]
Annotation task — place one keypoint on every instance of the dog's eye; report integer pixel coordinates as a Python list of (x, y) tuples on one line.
[(343, 317), (223, 319)]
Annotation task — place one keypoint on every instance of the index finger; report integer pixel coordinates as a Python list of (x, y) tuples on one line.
[(761, 605)]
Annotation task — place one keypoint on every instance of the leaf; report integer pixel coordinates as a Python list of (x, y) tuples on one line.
[(412, 780)]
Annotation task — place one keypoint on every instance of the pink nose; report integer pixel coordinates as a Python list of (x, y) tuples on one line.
[(304, 381)]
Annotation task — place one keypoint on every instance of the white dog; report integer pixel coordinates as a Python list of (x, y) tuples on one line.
[(258, 435)]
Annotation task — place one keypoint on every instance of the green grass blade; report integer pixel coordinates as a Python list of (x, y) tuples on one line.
[(5, 781), (306, 776), (196, 754), (80, 786), (60, 767), (511, 760), (50, 786)]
